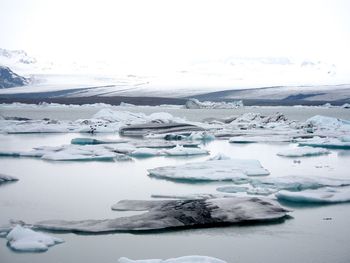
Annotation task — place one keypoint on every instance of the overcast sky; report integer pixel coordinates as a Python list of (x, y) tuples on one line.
[(167, 33)]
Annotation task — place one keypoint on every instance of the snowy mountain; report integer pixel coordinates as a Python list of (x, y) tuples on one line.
[(9, 79)]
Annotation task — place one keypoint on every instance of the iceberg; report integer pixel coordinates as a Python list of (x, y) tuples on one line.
[(165, 214), (7, 178), (330, 143), (303, 151), (236, 170), (25, 239), (324, 123), (186, 259), (185, 151), (325, 195), (255, 139), (92, 141), (298, 183)]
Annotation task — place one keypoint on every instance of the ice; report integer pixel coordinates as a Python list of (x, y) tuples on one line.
[(87, 141), (219, 156), (298, 183), (196, 104), (325, 195), (25, 239), (330, 143), (202, 136), (303, 151), (236, 170), (254, 139), (188, 196), (324, 123), (232, 189), (7, 178), (185, 259), (164, 214), (185, 151), (260, 191)]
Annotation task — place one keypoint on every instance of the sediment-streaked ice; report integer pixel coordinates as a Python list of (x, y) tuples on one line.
[(236, 170), (163, 214), (185, 259), (303, 151), (325, 195), (26, 240)]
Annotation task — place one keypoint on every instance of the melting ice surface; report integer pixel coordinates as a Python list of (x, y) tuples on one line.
[(303, 151)]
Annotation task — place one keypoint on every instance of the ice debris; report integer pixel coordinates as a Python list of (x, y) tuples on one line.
[(303, 151), (24, 239), (325, 195), (7, 178), (236, 170), (185, 259), (163, 214)]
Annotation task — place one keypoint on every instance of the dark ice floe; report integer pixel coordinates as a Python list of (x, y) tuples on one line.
[(237, 170), (325, 195), (7, 178), (165, 214), (185, 259), (303, 151)]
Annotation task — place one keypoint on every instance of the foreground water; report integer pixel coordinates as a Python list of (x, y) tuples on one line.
[(86, 190)]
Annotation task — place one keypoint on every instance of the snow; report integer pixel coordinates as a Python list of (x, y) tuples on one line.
[(7, 178), (303, 151), (27, 240), (325, 195), (185, 259), (236, 170)]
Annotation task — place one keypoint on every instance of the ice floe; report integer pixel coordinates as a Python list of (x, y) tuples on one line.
[(7, 178), (185, 259), (330, 143), (298, 183), (158, 128), (27, 240), (303, 151), (324, 123), (325, 195), (255, 139), (236, 170), (163, 214), (89, 141)]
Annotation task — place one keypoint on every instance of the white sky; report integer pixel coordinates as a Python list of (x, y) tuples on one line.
[(165, 34)]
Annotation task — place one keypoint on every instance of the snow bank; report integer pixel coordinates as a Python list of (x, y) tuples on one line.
[(303, 151), (186, 259), (236, 170), (25, 239)]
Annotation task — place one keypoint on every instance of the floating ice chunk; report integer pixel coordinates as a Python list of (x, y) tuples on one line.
[(219, 156), (186, 259), (232, 189), (189, 196), (236, 170), (323, 195), (330, 143), (254, 139), (88, 141), (185, 151), (327, 123), (260, 191), (145, 152), (163, 214), (201, 136), (298, 183), (303, 151), (6, 178), (25, 239), (119, 116)]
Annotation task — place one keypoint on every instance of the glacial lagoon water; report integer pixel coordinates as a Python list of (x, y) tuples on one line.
[(86, 190)]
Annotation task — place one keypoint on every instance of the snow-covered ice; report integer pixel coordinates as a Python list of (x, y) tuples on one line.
[(236, 170), (325, 195), (185, 259), (24, 239), (303, 151)]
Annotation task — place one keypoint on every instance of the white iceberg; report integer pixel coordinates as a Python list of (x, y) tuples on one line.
[(303, 151), (236, 170), (330, 143), (25, 239), (298, 183), (319, 196), (186, 259), (7, 178), (324, 123)]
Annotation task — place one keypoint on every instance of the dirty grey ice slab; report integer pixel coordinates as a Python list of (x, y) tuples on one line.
[(168, 214)]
